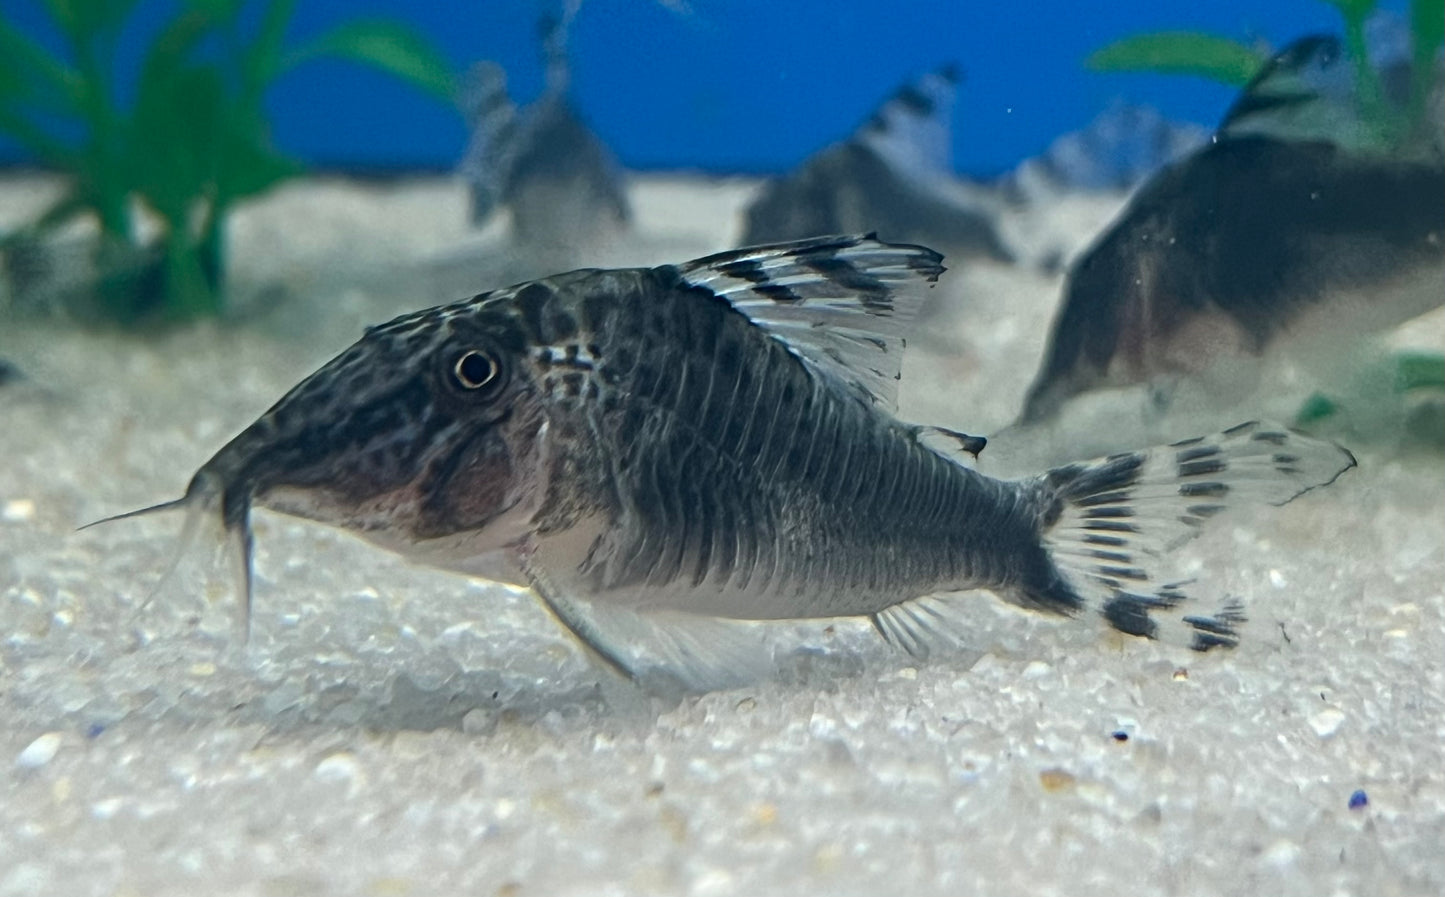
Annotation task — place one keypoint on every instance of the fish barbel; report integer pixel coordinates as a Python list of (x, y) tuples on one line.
[(714, 440)]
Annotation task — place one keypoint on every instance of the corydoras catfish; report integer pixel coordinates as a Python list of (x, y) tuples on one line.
[(1294, 232), (679, 445)]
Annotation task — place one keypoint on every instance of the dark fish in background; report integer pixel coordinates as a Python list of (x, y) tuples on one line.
[(893, 176), (542, 163), (1298, 220), (663, 452), (1115, 153)]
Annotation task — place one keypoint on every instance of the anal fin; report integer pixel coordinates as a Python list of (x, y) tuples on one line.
[(922, 626)]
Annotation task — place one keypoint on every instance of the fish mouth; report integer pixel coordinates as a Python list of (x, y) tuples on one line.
[(207, 497)]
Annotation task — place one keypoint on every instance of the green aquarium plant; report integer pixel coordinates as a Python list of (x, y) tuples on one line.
[(192, 139), (1406, 388), (1234, 63)]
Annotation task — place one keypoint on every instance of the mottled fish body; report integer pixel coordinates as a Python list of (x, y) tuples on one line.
[(1295, 227), (729, 479), (715, 440)]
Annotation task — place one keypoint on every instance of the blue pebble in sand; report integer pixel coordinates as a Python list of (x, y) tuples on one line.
[(1359, 799)]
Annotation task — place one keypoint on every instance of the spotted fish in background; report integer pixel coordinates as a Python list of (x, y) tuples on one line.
[(1294, 225), (561, 184), (654, 450), (894, 175)]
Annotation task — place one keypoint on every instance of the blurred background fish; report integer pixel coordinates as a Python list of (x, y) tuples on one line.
[(1300, 227), (542, 164), (894, 175)]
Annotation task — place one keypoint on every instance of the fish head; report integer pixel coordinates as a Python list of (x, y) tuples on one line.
[(429, 427), (427, 435)]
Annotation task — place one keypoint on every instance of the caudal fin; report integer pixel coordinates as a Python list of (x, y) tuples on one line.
[(1114, 518)]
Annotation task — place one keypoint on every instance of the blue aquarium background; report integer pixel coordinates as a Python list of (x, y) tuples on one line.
[(743, 85)]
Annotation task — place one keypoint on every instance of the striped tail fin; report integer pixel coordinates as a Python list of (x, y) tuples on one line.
[(1111, 520)]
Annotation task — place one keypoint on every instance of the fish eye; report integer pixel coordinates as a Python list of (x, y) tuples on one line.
[(475, 369)]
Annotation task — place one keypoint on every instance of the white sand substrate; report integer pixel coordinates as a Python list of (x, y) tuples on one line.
[(395, 731)]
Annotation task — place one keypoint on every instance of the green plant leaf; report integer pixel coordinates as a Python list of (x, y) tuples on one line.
[(1316, 408), (217, 10), (189, 292), (86, 20), (194, 140), (29, 73), (167, 59), (1419, 370), (387, 46), (1181, 53), (1354, 10), (1427, 26), (262, 60), (177, 139), (1427, 33), (248, 165), (171, 135)]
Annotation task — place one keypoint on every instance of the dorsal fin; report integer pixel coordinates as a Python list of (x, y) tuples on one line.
[(492, 149), (913, 129), (842, 304), (1306, 91)]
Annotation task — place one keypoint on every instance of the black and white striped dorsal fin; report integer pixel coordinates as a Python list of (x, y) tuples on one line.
[(842, 304), (1295, 76), (492, 149), (1305, 92), (913, 129)]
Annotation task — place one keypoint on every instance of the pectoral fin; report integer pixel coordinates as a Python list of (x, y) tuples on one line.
[(698, 653)]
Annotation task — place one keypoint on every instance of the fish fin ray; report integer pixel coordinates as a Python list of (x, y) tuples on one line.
[(699, 654), (1309, 91), (913, 128), (492, 150), (1296, 88), (1113, 519), (242, 551), (842, 303), (195, 514), (922, 627)]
